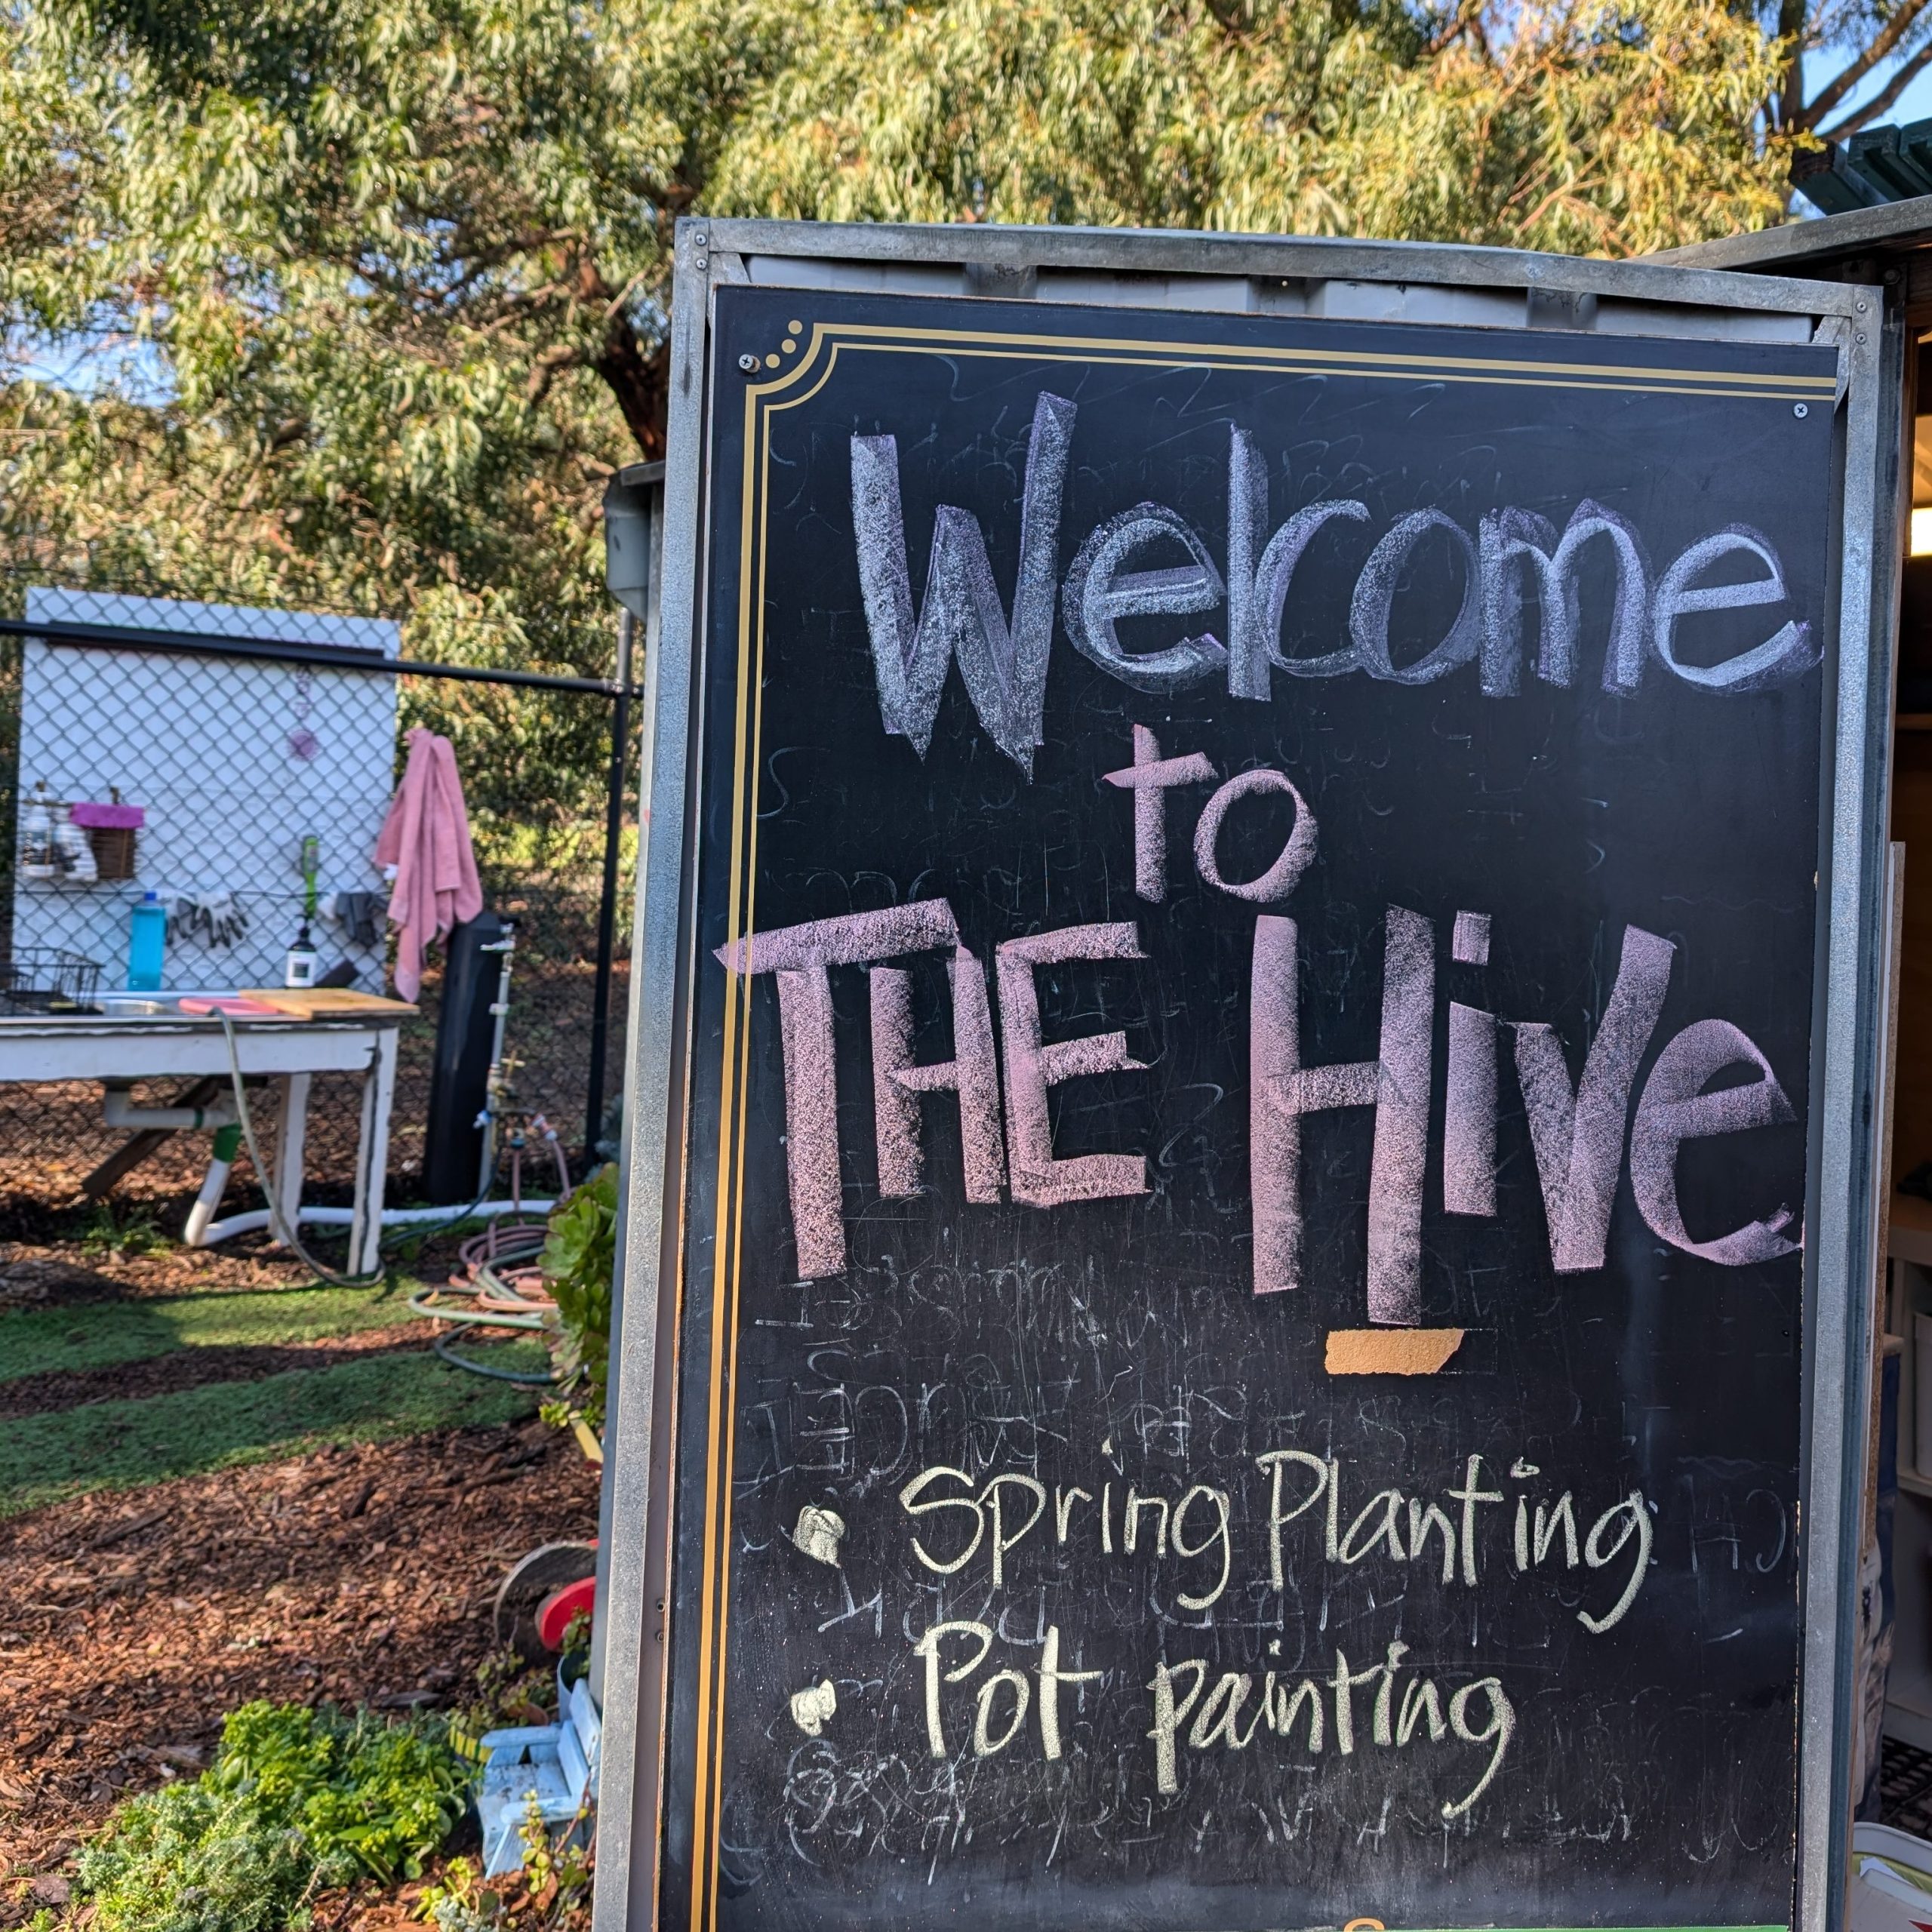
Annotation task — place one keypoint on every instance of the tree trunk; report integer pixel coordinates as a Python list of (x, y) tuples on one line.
[(1791, 96), (639, 383)]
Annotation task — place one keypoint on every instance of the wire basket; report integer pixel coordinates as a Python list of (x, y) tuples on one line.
[(47, 979)]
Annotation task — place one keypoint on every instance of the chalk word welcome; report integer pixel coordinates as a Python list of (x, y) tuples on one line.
[(1149, 561)]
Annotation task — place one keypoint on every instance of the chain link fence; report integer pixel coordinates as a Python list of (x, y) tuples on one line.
[(234, 758)]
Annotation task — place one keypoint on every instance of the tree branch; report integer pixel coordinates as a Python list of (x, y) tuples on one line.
[(1791, 95), (1864, 116), (1467, 16), (1883, 45), (544, 371), (639, 383)]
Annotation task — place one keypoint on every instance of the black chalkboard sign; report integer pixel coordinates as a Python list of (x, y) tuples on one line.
[(1252, 1002)]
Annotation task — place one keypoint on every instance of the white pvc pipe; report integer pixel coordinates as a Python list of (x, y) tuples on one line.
[(118, 1111), (341, 1217), (403, 1217), (234, 1224), (200, 1230)]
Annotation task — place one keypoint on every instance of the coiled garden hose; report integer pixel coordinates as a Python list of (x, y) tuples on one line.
[(502, 1282)]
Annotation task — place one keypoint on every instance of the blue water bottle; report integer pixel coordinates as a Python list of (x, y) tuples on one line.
[(147, 942)]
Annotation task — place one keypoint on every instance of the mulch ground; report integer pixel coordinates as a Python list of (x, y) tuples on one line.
[(129, 1624), (61, 1272), (55, 1275)]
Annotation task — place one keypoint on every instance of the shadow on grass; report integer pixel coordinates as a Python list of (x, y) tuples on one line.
[(123, 1445), (102, 1334)]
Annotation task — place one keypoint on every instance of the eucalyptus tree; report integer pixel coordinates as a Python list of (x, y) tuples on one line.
[(376, 291)]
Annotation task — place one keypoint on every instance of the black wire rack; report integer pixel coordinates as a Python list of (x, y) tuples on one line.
[(47, 979)]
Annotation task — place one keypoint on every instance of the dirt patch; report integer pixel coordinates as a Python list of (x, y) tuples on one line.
[(130, 1624), (190, 1367), (62, 1273)]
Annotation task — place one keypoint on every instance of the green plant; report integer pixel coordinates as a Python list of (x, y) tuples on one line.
[(194, 1858), (297, 1801), (509, 1691), (459, 1902), (579, 1260), (549, 1891), (121, 1237), (556, 1873)]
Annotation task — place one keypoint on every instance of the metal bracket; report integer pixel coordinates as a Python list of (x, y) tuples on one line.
[(1837, 331)]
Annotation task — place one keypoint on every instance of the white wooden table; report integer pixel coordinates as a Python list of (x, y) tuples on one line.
[(287, 1051)]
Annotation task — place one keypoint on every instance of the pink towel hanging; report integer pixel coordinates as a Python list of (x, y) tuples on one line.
[(426, 837)]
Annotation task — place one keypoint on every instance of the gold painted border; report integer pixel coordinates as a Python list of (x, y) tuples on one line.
[(798, 382)]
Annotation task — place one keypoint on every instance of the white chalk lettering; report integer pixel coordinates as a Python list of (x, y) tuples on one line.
[(1004, 667), (1099, 590), (1147, 561), (986, 1741), (1636, 1522), (1787, 652), (1187, 1716)]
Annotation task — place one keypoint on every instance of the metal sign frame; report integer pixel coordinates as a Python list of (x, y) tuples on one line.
[(1362, 281)]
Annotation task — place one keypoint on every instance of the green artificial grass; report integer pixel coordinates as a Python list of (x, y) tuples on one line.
[(105, 1334), (123, 1445)]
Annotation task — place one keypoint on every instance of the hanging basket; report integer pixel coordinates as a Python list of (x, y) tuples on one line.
[(112, 831)]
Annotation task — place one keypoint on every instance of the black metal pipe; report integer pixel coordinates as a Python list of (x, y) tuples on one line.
[(279, 651), (607, 905)]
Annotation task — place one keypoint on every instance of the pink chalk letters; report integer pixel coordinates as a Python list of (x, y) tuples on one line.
[(1578, 1126)]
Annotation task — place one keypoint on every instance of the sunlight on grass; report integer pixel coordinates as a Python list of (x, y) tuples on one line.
[(104, 1334), (123, 1445)]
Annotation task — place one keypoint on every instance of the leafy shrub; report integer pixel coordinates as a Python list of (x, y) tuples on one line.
[(295, 1802), (121, 1237), (579, 1260)]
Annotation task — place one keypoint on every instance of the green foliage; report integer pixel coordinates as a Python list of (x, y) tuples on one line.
[(550, 1889), (297, 1801), (118, 1235), (1588, 128), (377, 290), (580, 1260)]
